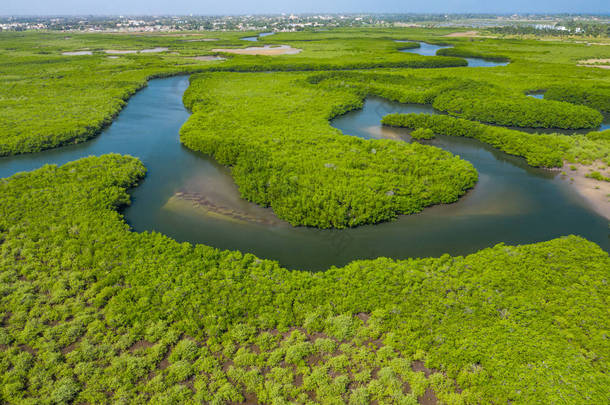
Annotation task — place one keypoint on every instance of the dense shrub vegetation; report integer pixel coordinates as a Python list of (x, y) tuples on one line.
[(94, 313), (49, 99), (548, 150), (466, 98), (597, 97), (31, 122), (517, 111), (422, 133), (273, 131), (461, 52)]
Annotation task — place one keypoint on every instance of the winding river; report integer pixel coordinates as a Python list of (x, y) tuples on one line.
[(189, 197)]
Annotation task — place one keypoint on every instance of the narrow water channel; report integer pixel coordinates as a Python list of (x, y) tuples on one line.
[(426, 49), (189, 197), (255, 38)]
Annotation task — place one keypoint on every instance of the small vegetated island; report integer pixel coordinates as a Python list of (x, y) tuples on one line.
[(273, 131), (92, 312)]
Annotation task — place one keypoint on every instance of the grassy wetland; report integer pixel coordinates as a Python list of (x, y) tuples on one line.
[(95, 310)]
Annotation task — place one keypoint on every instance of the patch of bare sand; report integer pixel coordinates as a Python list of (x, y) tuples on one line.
[(593, 61), (596, 192), (592, 43), (598, 63), (463, 34), (268, 50)]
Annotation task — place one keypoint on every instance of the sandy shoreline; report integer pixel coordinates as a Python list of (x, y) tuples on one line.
[(595, 63), (463, 34), (596, 192)]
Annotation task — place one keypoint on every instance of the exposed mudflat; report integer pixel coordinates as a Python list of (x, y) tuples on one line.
[(598, 63), (200, 204), (596, 192)]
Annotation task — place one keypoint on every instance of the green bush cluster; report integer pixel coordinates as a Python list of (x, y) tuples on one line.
[(273, 131), (269, 64), (397, 86), (46, 105), (546, 150), (422, 133), (469, 53), (518, 111), (466, 98), (597, 97), (50, 100), (93, 313), (597, 176)]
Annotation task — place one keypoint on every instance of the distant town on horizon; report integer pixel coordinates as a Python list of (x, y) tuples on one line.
[(286, 22)]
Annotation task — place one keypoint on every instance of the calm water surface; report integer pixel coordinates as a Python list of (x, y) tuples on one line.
[(255, 38), (426, 49), (512, 202)]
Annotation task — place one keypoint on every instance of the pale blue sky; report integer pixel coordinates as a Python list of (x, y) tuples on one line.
[(207, 7)]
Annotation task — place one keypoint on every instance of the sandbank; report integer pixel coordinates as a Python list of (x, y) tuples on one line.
[(596, 192), (208, 58)]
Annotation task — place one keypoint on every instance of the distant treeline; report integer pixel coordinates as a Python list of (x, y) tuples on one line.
[(563, 28)]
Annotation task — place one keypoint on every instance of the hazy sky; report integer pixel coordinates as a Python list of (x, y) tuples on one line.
[(11, 7)]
